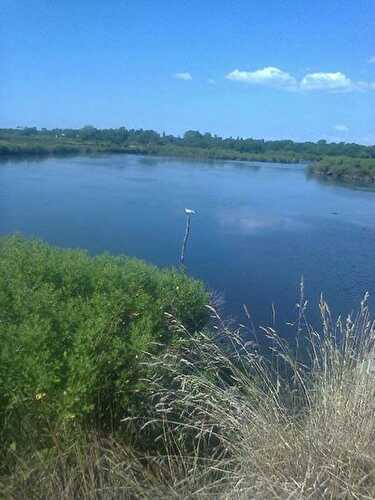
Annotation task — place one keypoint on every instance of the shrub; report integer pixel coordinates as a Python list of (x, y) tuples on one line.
[(74, 331)]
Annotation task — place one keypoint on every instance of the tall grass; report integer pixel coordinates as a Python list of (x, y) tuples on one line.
[(231, 422)]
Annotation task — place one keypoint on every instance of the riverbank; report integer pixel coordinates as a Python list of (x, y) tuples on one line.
[(21, 149), (106, 393), (350, 163), (359, 171)]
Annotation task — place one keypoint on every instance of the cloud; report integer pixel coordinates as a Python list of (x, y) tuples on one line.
[(211, 81), (270, 76), (183, 76), (311, 82), (372, 60), (327, 81), (341, 128)]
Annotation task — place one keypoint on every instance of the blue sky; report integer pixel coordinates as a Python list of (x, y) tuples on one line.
[(275, 69)]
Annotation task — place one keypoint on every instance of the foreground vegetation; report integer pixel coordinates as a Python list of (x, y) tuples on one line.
[(345, 161), (87, 342), (74, 331)]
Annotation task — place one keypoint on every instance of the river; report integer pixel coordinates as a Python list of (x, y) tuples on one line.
[(257, 230)]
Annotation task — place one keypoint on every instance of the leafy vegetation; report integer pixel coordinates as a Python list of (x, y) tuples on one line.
[(348, 161), (347, 169), (74, 333), (231, 423)]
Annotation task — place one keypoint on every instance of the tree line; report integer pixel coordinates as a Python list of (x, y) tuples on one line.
[(123, 136), (346, 161)]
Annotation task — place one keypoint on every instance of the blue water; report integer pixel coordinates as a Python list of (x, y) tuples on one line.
[(258, 227)]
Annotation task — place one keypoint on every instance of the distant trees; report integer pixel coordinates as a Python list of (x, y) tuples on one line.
[(339, 156), (195, 139), (87, 132)]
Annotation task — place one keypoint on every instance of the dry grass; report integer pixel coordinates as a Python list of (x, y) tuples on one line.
[(232, 424)]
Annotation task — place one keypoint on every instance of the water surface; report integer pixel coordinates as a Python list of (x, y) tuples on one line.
[(258, 227)]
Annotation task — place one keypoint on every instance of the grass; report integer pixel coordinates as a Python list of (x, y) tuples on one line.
[(231, 423)]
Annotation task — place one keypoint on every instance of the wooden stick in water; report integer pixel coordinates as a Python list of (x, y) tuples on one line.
[(188, 213)]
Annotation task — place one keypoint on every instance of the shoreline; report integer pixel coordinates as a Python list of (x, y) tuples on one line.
[(349, 170)]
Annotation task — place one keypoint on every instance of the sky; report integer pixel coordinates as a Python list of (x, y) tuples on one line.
[(273, 69)]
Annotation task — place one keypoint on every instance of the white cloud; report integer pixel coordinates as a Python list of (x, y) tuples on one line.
[(372, 60), (183, 76), (342, 128), (327, 81), (270, 75), (319, 81)]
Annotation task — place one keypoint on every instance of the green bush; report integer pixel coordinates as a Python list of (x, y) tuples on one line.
[(74, 331), (354, 169)]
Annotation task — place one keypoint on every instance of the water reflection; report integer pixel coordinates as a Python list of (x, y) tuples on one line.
[(259, 227)]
